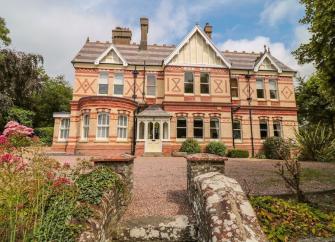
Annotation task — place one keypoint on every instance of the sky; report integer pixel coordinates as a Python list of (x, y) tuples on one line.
[(58, 29)]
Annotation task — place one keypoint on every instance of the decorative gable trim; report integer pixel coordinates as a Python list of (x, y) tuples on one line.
[(105, 53), (209, 42), (268, 56)]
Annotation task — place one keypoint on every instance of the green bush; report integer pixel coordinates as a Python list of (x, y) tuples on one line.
[(45, 134), (260, 155), (216, 148), (276, 148), (316, 143), (190, 146), (236, 153), (289, 220), (21, 115)]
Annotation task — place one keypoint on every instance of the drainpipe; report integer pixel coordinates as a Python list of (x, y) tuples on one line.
[(231, 110), (248, 76), (133, 146)]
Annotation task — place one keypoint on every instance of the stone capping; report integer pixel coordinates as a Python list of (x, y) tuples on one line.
[(124, 158), (222, 210), (206, 158)]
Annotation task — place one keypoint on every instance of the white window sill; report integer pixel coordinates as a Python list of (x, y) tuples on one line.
[(189, 94), (99, 94), (166, 140), (62, 141), (180, 140), (121, 140), (261, 99), (239, 141), (117, 95), (218, 139), (199, 139), (274, 99), (235, 98), (140, 140), (83, 141), (150, 96), (205, 94)]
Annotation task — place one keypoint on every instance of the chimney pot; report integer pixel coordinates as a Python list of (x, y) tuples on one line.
[(208, 30), (144, 33)]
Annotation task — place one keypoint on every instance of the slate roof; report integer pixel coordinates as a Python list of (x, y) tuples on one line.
[(154, 111), (155, 55)]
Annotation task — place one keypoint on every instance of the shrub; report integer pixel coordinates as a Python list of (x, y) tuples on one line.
[(216, 148), (236, 153), (276, 148), (289, 220), (316, 143), (260, 155), (45, 134), (190, 146), (21, 115)]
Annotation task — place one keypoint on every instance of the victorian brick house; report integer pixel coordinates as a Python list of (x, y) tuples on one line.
[(149, 98)]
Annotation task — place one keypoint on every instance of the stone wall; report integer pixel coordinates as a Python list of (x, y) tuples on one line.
[(105, 217), (221, 209)]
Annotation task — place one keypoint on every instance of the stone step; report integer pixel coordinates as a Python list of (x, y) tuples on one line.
[(153, 154), (153, 228)]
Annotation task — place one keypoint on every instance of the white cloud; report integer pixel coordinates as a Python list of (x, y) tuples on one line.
[(279, 10), (278, 50)]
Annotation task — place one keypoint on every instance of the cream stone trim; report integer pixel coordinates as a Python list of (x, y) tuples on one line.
[(61, 115), (266, 55), (105, 53), (196, 29)]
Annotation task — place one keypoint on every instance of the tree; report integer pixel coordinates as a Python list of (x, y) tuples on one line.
[(314, 102), (4, 32), (54, 96), (21, 75), (320, 50)]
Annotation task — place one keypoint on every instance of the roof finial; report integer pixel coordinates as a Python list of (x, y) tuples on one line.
[(265, 49), (269, 49), (88, 39)]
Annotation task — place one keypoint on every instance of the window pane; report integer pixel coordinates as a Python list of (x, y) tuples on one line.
[(181, 128), (234, 92), (204, 83), (103, 78), (189, 88), (118, 89), (141, 131), (151, 91), (150, 130), (237, 134), (263, 126), (188, 82), (233, 83), (277, 129), (259, 83), (198, 128), (103, 88), (260, 93), (214, 128), (181, 123), (165, 130), (118, 80)]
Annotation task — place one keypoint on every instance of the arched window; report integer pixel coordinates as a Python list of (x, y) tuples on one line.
[(181, 128), (122, 125), (198, 128), (141, 130), (86, 124), (156, 130), (215, 128), (103, 125), (150, 130), (165, 130)]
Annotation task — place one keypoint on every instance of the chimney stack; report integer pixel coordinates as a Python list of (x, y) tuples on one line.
[(121, 36), (144, 33), (208, 30)]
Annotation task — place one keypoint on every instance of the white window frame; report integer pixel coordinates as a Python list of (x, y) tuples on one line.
[(168, 130), (263, 87), (267, 128), (118, 84), (65, 127), (280, 128), (208, 83), (103, 81), (240, 130), (187, 82), (139, 128), (85, 127), (122, 126), (103, 126), (276, 89), (202, 128), (152, 86), (181, 118), (214, 128), (231, 88)]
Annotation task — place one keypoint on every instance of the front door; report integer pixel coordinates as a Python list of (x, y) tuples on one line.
[(153, 143)]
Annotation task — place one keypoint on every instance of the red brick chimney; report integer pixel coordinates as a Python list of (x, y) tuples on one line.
[(121, 36), (144, 33), (208, 30)]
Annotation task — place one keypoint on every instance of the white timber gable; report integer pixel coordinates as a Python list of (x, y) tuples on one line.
[(266, 63), (111, 56), (197, 49)]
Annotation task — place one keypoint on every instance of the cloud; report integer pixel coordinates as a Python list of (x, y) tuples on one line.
[(278, 50), (279, 10)]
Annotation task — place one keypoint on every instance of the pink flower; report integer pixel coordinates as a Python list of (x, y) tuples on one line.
[(3, 139), (21, 166), (13, 127), (6, 158), (61, 181)]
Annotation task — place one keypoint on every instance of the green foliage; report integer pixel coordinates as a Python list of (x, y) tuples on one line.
[(216, 148), (260, 155), (276, 148), (236, 153), (45, 134), (94, 184), (289, 220), (20, 115), (18, 140), (4, 32), (319, 50), (191, 146), (316, 143), (54, 96), (314, 102)]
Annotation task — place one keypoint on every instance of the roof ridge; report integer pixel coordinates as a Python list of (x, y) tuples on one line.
[(242, 52)]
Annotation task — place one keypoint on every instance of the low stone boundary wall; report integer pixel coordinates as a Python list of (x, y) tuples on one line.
[(105, 217), (221, 209)]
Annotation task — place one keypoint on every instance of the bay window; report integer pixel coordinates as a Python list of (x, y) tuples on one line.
[(86, 124), (64, 129), (122, 125), (103, 126)]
